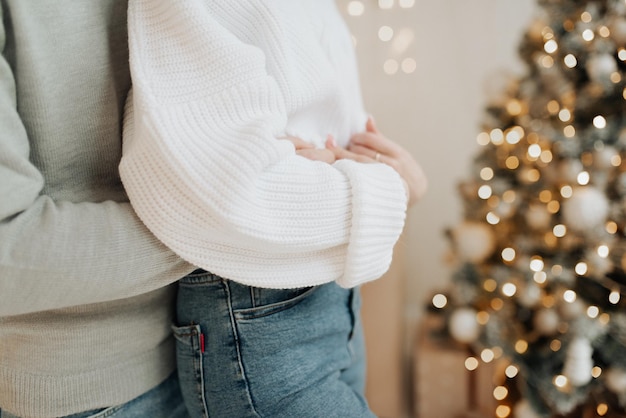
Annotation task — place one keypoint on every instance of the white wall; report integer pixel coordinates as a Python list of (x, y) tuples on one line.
[(435, 112)]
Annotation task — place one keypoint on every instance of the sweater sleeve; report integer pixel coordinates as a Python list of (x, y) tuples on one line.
[(206, 173), (56, 254)]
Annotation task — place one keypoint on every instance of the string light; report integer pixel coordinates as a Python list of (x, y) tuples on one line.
[(611, 227), (603, 251), (385, 33), (471, 363), (512, 162), (509, 196), (593, 312), (497, 136), (514, 135), (482, 317), (616, 77), (547, 61), (490, 285), (486, 173), (509, 289), (536, 263), (484, 191), (514, 107), (553, 206), (604, 31), (588, 35), (599, 122), (500, 393), (496, 304), (570, 61), (565, 115), (492, 218), (390, 66), (508, 254), (545, 196), (546, 156), (566, 191), (356, 8), (560, 381), (487, 355), (550, 46), (440, 301), (553, 107), (581, 268), (521, 346), (569, 131), (511, 371), (503, 411), (569, 296), (483, 139), (534, 151), (559, 230), (596, 372), (540, 277), (409, 65)]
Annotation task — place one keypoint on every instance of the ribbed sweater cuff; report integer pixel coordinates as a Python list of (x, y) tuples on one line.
[(378, 212)]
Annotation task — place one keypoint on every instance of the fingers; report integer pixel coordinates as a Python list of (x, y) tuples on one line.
[(315, 154), (370, 126), (359, 149), (344, 154), (376, 142), (308, 150)]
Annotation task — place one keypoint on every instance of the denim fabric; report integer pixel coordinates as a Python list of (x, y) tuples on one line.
[(250, 352), (164, 401)]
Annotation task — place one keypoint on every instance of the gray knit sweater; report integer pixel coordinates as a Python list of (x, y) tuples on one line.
[(85, 306)]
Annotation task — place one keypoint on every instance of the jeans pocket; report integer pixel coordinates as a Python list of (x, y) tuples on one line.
[(189, 360), (271, 301)]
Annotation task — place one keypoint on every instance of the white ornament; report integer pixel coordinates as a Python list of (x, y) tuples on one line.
[(600, 67), (474, 241), (530, 295), (616, 380), (586, 209), (546, 321), (523, 409), (538, 217), (603, 158), (578, 362), (463, 325), (570, 169)]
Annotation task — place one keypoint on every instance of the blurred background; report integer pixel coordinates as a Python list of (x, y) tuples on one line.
[(507, 294), (427, 69)]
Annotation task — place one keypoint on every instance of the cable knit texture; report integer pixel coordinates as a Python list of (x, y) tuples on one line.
[(215, 85)]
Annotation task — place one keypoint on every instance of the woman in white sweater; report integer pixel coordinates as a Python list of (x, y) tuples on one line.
[(232, 104)]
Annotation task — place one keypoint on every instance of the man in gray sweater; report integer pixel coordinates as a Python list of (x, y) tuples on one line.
[(86, 294)]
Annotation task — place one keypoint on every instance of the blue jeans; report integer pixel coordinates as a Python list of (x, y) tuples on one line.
[(251, 352), (164, 401)]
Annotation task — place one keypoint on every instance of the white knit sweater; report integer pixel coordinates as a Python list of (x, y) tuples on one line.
[(215, 84)]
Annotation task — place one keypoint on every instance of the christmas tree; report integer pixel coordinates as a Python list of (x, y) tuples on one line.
[(541, 251)]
